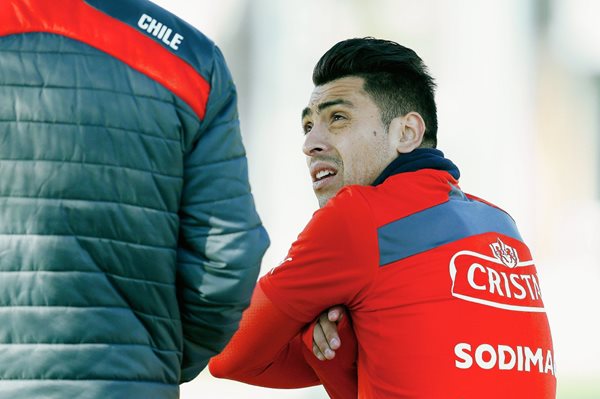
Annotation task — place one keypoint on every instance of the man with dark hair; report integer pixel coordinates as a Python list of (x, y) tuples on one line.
[(441, 290), (398, 83), (129, 240)]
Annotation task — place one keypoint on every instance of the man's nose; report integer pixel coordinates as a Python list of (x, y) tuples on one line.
[(315, 141)]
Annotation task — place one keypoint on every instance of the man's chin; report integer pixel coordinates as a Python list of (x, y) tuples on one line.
[(325, 194), (323, 198)]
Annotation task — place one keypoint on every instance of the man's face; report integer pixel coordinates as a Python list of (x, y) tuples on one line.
[(345, 140)]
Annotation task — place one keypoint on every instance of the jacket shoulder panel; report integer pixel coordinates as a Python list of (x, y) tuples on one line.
[(173, 34), (130, 45)]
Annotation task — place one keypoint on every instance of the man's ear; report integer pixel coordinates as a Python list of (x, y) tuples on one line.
[(407, 132)]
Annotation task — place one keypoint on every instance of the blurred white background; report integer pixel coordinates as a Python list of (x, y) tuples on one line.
[(518, 102)]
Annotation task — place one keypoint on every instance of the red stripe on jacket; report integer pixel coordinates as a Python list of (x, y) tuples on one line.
[(79, 21)]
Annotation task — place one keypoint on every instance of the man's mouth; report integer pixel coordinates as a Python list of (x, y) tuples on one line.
[(322, 173)]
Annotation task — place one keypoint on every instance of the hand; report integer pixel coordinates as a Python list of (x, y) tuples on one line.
[(325, 334)]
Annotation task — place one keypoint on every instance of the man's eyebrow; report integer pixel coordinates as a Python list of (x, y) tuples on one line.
[(306, 112), (339, 101)]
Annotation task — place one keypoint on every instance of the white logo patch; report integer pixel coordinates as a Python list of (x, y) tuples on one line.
[(503, 281)]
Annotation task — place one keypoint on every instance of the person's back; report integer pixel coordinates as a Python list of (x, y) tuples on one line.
[(129, 243), (454, 308), (442, 291)]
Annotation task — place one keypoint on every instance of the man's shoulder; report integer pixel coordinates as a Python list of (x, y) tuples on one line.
[(399, 196), (138, 33), (166, 29), (349, 199), (349, 195)]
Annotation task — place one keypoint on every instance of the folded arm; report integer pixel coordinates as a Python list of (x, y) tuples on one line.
[(270, 350), (325, 266), (266, 350)]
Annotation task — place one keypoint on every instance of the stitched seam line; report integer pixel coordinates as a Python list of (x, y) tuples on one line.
[(93, 200)]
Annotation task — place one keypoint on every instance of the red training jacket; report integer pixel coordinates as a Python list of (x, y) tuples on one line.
[(442, 290)]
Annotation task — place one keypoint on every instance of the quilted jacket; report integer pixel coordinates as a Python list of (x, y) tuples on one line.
[(129, 240)]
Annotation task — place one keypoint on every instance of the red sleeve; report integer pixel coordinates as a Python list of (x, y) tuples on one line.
[(266, 350), (258, 356), (332, 262)]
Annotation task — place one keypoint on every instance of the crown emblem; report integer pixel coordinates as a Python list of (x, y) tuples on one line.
[(504, 253)]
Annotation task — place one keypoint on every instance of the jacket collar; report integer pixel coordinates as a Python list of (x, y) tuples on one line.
[(420, 158)]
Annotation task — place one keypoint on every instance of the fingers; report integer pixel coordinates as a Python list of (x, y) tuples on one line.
[(330, 331), (319, 355), (321, 348), (325, 337), (336, 313)]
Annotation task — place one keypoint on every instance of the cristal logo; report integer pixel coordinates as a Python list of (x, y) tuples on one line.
[(502, 281)]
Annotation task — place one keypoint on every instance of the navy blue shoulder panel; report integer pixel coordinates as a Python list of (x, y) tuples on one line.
[(458, 218), (174, 34)]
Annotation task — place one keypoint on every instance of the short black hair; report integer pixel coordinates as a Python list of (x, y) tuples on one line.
[(395, 77)]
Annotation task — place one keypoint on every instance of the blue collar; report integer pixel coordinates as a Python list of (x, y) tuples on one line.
[(420, 158)]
